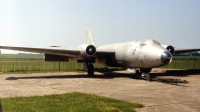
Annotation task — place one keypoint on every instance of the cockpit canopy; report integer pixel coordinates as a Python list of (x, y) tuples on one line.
[(149, 41)]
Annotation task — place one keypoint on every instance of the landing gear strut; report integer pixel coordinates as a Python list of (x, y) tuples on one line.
[(90, 71)]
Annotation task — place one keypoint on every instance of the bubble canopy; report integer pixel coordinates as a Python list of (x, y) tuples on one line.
[(149, 41)]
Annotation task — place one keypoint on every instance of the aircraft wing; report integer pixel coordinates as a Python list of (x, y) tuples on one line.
[(178, 51), (73, 53), (51, 50)]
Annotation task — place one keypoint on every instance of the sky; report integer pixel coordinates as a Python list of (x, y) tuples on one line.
[(43, 23)]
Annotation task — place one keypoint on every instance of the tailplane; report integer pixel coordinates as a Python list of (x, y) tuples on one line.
[(89, 38)]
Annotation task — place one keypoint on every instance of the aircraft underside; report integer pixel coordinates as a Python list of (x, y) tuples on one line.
[(140, 72)]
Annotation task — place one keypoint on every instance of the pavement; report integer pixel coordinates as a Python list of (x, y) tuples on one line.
[(172, 90)]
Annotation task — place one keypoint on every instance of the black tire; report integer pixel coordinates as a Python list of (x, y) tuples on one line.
[(148, 76)]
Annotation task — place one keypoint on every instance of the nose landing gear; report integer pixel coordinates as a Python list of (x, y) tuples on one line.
[(144, 73), (147, 76)]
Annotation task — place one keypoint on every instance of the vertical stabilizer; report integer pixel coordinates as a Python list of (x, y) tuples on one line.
[(89, 38)]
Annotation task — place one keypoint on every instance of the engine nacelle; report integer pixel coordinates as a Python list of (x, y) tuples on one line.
[(169, 48), (87, 51)]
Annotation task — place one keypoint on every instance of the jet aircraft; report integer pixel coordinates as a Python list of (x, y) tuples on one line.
[(143, 55)]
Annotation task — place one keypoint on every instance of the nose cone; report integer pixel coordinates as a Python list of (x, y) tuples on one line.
[(166, 57)]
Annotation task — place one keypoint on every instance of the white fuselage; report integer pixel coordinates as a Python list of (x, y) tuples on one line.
[(136, 54)]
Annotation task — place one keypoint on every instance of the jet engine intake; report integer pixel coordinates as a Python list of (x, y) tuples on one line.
[(87, 51), (169, 48)]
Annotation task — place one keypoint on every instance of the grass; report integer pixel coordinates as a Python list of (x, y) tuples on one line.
[(21, 56), (70, 102), (34, 63), (35, 66), (184, 64), (186, 57)]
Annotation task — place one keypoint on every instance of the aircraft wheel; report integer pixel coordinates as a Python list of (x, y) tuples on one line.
[(148, 76), (90, 70), (145, 73)]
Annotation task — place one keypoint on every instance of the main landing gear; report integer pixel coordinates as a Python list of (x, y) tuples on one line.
[(90, 71), (88, 66), (144, 73)]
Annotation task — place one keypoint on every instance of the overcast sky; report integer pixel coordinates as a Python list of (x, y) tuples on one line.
[(42, 23)]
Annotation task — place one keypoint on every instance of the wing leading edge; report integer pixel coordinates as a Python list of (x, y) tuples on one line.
[(54, 51), (178, 51), (71, 53)]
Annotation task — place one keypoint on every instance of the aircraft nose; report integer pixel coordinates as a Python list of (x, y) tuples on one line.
[(166, 57)]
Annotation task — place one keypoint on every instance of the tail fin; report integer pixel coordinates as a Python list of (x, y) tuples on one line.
[(89, 38)]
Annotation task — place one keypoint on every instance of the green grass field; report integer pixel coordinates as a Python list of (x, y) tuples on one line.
[(185, 57), (70, 102), (11, 66), (3, 56), (184, 62), (30, 63)]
